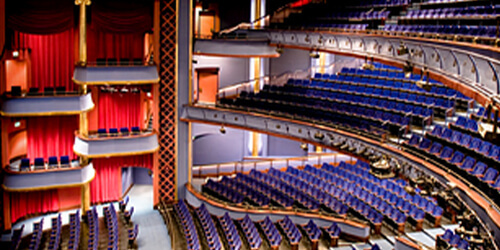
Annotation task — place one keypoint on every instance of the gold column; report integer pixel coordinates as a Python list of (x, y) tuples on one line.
[(322, 60), (84, 161), (82, 41)]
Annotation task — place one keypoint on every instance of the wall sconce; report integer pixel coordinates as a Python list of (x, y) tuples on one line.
[(15, 54), (304, 146), (314, 54), (307, 39), (222, 130), (319, 136)]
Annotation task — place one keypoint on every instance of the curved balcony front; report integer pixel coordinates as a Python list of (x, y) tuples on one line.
[(143, 143), (14, 181), (116, 75), (47, 105)]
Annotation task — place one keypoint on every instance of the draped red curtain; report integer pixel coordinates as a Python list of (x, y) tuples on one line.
[(51, 136), (114, 45), (52, 58), (107, 184), (39, 17), (117, 29), (119, 109), (36, 202)]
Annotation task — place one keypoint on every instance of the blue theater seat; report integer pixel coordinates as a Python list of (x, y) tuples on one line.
[(479, 169), (64, 161), (113, 131), (468, 163), (490, 175), (446, 153), (101, 132), (39, 163), (457, 157), (25, 164), (52, 162)]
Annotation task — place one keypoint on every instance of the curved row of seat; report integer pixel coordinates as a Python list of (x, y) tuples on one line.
[(250, 232), (276, 196), (451, 240), (219, 190), (466, 125), (188, 227), (291, 231), (93, 224), (209, 228), (36, 236), (313, 233), (112, 225), (470, 12), (482, 175), (17, 235), (74, 230), (320, 191), (272, 234), (252, 196), (444, 30), (230, 232), (55, 233)]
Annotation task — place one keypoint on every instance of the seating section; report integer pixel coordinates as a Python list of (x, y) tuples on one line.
[(218, 190), (188, 226), (208, 227), (472, 12), (112, 226), (471, 164), (466, 125), (290, 230), (93, 224), (74, 231), (55, 233), (124, 131), (451, 240), (16, 238), (335, 189), (251, 196), (482, 114), (250, 232), (230, 232), (313, 233), (333, 232), (271, 232), (133, 232), (39, 163), (36, 236), (16, 91)]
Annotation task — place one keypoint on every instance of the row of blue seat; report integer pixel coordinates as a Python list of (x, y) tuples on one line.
[(446, 30), (379, 3), (275, 195), (290, 230), (17, 235), (188, 226), (272, 234), (363, 15), (482, 12), (36, 236), (299, 196), (219, 190), (482, 114), (114, 131), (93, 224), (467, 124), (112, 225), (208, 227), (230, 232), (39, 163), (250, 232), (252, 196), (313, 232), (472, 145), (333, 232), (452, 240), (319, 190), (392, 192), (55, 233), (477, 172), (74, 230)]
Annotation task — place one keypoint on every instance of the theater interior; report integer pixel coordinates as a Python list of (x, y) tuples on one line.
[(278, 124)]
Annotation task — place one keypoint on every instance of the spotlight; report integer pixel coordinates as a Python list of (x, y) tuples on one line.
[(319, 136), (402, 50), (15, 54), (314, 54), (222, 130)]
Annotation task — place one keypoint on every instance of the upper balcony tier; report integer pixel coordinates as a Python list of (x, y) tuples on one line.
[(46, 105), (116, 75), (132, 144)]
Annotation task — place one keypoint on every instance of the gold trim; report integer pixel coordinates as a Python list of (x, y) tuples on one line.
[(176, 102), (237, 55), (154, 81), (118, 154), (48, 187)]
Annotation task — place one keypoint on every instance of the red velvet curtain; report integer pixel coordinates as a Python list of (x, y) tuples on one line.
[(39, 17), (51, 136), (52, 58), (36, 202), (114, 45), (119, 109), (107, 184), (118, 27)]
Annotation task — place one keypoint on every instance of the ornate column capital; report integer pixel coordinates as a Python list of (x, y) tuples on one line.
[(80, 2)]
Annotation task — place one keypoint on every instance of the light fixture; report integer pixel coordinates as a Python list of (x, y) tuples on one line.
[(314, 54), (304, 146), (402, 50), (307, 39), (222, 130), (319, 136), (15, 54), (279, 49)]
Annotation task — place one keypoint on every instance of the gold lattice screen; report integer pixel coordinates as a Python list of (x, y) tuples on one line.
[(167, 100)]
